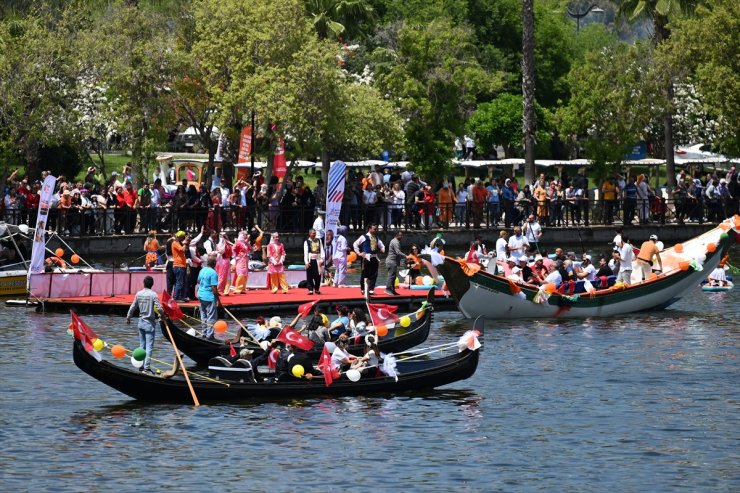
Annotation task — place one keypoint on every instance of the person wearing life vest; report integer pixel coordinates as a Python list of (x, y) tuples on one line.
[(368, 246), (313, 258)]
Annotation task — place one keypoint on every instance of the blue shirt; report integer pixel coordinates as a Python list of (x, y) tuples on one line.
[(206, 280), (339, 326)]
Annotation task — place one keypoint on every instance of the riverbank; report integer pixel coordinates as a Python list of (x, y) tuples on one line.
[(456, 238)]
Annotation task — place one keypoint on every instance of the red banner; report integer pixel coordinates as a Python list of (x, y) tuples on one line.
[(245, 145), (279, 165)]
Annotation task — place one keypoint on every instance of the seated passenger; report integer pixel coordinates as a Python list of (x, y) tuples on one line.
[(604, 270), (340, 358), (554, 276), (341, 324), (357, 323)]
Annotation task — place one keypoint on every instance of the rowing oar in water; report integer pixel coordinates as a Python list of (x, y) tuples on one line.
[(182, 366)]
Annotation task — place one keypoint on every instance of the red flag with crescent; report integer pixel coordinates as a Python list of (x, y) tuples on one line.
[(382, 314), (305, 309), (82, 331), (326, 367), (294, 338), (272, 359), (170, 307)]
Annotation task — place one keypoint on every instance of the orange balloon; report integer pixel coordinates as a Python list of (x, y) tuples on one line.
[(419, 314), (684, 265), (381, 330), (724, 226), (71, 326), (220, 326), (59, 252), (351, 257), (711, 248), (419, 280), (75, 259), (678, 247), (118, 351), (550, 288)]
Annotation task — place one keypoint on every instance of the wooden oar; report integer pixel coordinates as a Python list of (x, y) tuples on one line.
[(182, 366), (241, 325)]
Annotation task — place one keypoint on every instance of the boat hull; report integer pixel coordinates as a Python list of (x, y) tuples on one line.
[(13, 283), (417, 375), (484, 294)]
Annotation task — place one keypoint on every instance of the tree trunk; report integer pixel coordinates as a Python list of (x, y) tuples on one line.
[(529, 118), (662, 33), (33, 159), (325, 165)]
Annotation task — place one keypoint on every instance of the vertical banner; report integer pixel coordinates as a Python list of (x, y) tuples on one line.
[(334, 195), (39, 237), (245, 145), (279, 165)]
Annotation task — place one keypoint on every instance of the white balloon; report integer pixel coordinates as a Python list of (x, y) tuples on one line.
[(659, 245), (264, 345), (23, 228), (137, 364), (191, 332), (427, 280), (354, 375)]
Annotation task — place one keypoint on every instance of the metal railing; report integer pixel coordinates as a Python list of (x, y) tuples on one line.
[(114, 221)]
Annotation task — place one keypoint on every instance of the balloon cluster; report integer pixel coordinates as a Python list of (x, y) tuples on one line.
[(137, 357)]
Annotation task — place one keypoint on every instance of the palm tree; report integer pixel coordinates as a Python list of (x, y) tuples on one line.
[(335, 18), (529, 118), (659, 12)]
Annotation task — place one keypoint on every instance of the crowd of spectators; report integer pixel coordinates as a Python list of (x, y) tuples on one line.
[(390, 197)]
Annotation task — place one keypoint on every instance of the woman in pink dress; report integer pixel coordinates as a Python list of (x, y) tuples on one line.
[(223, 265), (242, 249), (275, 269)]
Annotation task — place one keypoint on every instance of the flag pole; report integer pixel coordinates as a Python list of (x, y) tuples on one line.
[(182, 366)]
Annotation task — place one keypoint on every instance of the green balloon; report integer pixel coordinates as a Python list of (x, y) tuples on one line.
[(724, 236), (139, 354)]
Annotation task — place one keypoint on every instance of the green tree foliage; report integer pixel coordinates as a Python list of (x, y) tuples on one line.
[(333, 19), (704, 49), (616, 94), (432, 73), (499, 122)]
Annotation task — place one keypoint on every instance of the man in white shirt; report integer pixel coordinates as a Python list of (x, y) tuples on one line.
[(626, 256), (533, 232), (554, 276), (518, 244), (586, 270), (618, 238), (318, 225)]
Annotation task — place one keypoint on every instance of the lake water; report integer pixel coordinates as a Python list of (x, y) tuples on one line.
[(647, 402)]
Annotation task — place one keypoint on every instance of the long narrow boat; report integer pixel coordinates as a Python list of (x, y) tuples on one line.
[(412, 375), (398, 338), (480, 293)]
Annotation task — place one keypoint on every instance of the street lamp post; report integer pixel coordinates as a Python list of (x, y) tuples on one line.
[(578, 15)]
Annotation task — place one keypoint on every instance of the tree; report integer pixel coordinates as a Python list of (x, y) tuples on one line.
[(704, 48), (529, 118), (431, 72), (38, 82), (500, 123), (334, 18), (616, 94), (130, 53), (659, 11)]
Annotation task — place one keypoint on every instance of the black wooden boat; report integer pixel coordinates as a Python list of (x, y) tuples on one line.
[(398, 338), (412, 375)]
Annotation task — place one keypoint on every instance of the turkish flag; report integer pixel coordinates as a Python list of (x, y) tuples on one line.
[(294, 338), (82, 331), (326, 367), (232, 351), (279, 164), (272, 359), (170, 307), (382, 314), (305, 309)]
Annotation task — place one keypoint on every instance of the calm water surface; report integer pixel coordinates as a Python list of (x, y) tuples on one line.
[(647, 402)]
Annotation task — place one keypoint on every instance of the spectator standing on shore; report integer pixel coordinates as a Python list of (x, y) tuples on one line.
[(629, 196), (508, 197), (146, 301), (609, 196), (479, 199), (580, 183)]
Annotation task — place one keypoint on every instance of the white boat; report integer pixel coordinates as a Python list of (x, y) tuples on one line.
[(478, 292)]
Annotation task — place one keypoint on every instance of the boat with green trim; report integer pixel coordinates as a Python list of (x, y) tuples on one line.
[(480, 293)]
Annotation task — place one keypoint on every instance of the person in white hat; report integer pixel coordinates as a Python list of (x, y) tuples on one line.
[(586, 270), (649, 251)]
